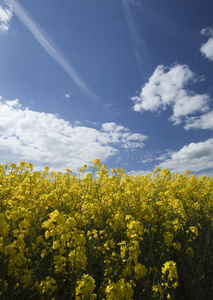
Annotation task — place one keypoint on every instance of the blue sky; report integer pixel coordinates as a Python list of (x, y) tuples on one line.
[(128, 82)]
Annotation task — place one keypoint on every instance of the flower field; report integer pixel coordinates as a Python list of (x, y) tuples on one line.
[(101, 236)]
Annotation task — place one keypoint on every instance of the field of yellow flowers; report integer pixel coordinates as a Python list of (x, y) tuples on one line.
[(100, 236)]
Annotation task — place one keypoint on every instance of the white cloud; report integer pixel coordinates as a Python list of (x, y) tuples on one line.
[(77, 123), (121, 135), (45, 139), (91, 123), (167, 87), (187, 105), (5, 18), (51, 49), (67, 95), (112, 127), (207, 48), (203, 122), (195, 157), (139, 172)]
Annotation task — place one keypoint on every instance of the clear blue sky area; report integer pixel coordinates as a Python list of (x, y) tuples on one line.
[(128, 82)]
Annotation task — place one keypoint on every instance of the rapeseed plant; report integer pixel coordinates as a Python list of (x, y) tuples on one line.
[(101, 236)]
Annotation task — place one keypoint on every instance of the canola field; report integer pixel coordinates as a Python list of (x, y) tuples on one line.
[(105, 236)]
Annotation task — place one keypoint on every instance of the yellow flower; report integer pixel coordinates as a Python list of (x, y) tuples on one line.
[(59, 263), (177, 246), (157, 289), (43, 253), (47, 286), (85, 287), (56, 244), (168, 236), (169, 269), (194, 230), (121, 290), (4, 227), (190, 252), (140, 271)]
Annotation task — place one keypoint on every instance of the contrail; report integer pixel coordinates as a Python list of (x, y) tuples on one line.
[(139, 47), (50, 48)]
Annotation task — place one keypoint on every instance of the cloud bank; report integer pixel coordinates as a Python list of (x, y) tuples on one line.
[(195, 157), (167, 87), (5, 18), (207, 48), (45, 139)]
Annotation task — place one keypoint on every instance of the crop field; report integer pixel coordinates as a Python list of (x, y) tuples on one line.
[(105, 236)]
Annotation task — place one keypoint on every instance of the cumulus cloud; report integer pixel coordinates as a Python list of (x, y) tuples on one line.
[(207, 48), (167, 87), (5, 18), (195, 157), (112, 127), (45, 139), (121, 135)]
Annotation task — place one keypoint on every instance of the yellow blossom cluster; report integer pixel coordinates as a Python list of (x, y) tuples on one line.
[(104, 236)]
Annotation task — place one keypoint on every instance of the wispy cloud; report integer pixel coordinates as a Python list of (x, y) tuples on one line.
[(139, 46), (5, 17), (92, 123), (50, 48)]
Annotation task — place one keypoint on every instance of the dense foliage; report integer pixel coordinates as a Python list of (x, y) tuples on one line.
[(100, 236)]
